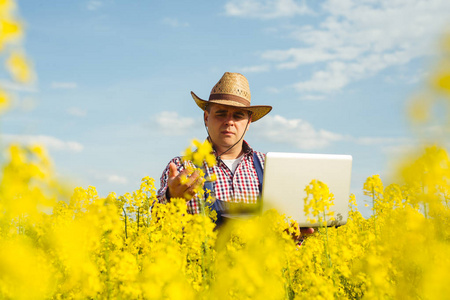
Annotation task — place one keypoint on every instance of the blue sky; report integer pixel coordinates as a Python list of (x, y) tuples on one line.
[(112, 100)]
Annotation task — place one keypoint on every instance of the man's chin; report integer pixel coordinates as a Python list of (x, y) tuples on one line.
[(228, 139)]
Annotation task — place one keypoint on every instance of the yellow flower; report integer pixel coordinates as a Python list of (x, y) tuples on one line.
[(420, 108), (4, 101), (10, 31), (440, 80), (318, 201), (373, 186), (18, 65), (202, 154)]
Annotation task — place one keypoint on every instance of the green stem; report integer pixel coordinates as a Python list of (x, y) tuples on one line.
[(289, 293), (326, 241), (125, 214), (424, 203), (205, 251), (108, 272), (374, 212), (138, 220)]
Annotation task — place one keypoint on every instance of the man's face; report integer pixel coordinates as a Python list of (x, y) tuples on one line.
[(226, 125)]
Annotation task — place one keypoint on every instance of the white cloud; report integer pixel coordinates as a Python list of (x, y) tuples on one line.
[(400, 150), (110, 178), (411, 149), (296, 132), (435, 130), (313, 97), (370, 141), (265, 9), (273, 90), (304, 136), (408, 78), (117, 179), (77, 112), (49, 142), (94, 4), (358, 39), (174, 22), (170, 123), (388, 145), (64, 85), (255, 69), (13, 86), (338, 74), (333, 79), (296, 57)]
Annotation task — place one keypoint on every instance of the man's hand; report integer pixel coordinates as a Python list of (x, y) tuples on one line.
[(305, 231), (298, 233), (181, 185)]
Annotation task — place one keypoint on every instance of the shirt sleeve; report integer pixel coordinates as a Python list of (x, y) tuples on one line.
[(162, 192)]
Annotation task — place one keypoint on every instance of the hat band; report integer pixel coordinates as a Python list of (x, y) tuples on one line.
[(229, 97)]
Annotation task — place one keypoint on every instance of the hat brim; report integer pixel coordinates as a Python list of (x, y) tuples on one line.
[(258, 111)]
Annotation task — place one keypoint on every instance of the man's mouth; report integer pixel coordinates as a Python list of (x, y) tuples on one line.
[(226, 132)]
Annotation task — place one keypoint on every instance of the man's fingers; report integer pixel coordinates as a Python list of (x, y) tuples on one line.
[(173, 172), (193, 177), (185, 183), (194, 186), (198, 183), (194, 182), (175, 176), (306, 230)]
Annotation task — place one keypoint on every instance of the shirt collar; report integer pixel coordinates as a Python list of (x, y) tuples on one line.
[(245, 147)]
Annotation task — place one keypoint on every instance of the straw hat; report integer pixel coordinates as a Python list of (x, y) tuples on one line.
[(233, 90)]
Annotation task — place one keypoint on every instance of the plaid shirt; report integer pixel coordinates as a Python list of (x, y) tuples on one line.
[(242, 186)]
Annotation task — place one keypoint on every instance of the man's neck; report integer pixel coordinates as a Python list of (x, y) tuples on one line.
[(233, 153)]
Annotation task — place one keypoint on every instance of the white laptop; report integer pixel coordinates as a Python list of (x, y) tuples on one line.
[(287, 174)]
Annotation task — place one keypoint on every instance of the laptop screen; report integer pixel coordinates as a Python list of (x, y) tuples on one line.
[(286, 176)]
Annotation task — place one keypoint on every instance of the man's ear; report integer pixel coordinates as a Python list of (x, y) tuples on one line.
[(205, 118), (249, 120)]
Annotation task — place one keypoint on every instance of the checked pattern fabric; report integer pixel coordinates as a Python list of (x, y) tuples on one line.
[(240, 187)]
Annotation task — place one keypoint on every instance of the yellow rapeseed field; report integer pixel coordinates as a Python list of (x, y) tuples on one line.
[(60, 245)]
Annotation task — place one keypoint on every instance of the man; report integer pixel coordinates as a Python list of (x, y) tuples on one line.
[(227, 116)]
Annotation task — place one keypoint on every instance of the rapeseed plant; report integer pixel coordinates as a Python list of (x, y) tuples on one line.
[(318, 202), (132, 247)]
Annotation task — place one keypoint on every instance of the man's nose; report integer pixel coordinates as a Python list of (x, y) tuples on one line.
[(229, 120)]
